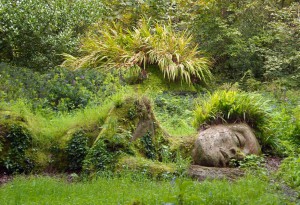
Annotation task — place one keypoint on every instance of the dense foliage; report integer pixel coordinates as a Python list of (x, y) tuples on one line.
[(59, 89), (260, 36), (16, 141), (111, 46), (34, 33)]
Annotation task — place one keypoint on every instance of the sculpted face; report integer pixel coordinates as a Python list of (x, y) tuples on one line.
[(218, 144)]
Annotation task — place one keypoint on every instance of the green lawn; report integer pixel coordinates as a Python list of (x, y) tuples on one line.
[(127, 190)]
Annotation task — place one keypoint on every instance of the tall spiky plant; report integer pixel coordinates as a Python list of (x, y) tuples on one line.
[(113, 47), (232, 106)]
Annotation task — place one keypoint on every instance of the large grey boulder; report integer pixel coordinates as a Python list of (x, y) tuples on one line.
[(216, 145)]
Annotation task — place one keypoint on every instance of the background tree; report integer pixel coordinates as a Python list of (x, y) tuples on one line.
[(34, 33)]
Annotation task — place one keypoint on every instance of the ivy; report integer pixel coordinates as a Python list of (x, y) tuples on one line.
[(76, 150), (98, 158), (148, 146), (18, 141)]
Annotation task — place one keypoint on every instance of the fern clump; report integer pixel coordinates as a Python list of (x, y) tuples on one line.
[(233, 106), (113, 47)]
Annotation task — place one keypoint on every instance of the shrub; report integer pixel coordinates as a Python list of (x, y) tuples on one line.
[(59, 90), (33, 33), (111, 46), (16, 141), (261, 36), (282, 59), (76, 151), (225, 30), (98, 158), (148, 146), (252, 162)]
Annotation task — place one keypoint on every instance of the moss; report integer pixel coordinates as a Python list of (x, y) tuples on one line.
[(150, 167), (41, 159), (68, 153), (156, 83), (182, 145), (130, 129)]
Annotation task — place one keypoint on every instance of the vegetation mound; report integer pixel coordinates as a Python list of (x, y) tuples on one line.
[(129, 129)]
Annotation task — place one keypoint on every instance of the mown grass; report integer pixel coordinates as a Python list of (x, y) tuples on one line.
[(138, 190)]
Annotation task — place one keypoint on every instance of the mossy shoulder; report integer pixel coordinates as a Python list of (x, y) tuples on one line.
[(131, 130), (149, 167)]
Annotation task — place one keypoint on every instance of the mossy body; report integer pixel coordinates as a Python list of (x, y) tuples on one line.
[(130, 130)]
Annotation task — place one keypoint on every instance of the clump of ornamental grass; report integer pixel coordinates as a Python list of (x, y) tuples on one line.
[(223, 107), (233, 106), (110, 46)]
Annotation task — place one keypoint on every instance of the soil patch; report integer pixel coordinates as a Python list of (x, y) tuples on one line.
[(4, 179)]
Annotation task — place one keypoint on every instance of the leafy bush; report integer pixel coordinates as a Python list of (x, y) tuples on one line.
[(296, 132), (98, 158), (129, 12), (252, 162), (224, 30), (259, 36), (33, 33), (281, 54), (282, 127), (148, 146), (111, 46), (59, 89), (16, 141), (76, 151)]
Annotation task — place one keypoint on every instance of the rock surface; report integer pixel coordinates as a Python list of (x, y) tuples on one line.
[(201, 173), (216, 145)]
